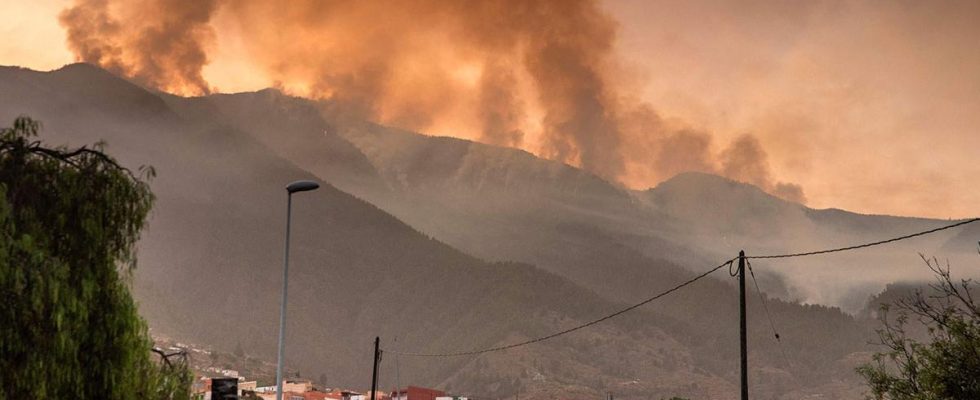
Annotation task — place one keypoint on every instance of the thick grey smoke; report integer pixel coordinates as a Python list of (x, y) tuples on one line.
[(541, 74), (746, 161), (160, 43)]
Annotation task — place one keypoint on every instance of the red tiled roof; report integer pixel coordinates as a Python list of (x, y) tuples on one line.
[(315, 395)]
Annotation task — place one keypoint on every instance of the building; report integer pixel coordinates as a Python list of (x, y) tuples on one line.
[(338, 394), (349, 395), (417, 393), (244, 385), (318, 395), (293, 389), (265, 389), (378, 396), (286, 395), (297, 386), (201, 388)]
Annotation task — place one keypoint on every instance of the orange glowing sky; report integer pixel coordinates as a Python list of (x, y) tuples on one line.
[(872, 107)]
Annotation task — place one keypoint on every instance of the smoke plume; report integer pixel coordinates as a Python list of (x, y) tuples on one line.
[(160, 44), (746, 161), (540, 74), (500, 111)]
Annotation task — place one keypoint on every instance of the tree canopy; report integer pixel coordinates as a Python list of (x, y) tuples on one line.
[(946, 365), (69, 222)]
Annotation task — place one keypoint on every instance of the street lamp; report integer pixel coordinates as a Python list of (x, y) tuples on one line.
[(298, 186)]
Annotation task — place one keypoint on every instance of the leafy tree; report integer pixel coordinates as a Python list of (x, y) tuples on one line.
[(69, 220), (947, 366)]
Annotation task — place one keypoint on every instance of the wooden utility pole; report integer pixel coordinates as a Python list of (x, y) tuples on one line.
[(741, 326), (374, 372)]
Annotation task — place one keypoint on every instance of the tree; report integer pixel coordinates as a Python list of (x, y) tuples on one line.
[(947, 366), (69, 220)]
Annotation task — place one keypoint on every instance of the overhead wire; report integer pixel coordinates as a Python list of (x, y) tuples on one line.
[(572, 329), (765, 306), (681, 285), (861, 246)]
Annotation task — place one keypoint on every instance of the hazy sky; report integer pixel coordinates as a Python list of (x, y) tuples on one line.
[(870, 106)]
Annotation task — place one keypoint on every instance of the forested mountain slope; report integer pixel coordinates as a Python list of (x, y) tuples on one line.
[(210, 264)]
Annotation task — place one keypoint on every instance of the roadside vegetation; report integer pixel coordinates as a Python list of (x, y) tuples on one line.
[(69, 223), (932, 343)]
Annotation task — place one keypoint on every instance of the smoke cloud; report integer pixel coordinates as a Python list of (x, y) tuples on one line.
[(540, 75), (160, 44), (500, 111), (746, 161)]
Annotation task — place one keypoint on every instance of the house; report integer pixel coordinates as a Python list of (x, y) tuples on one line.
[(336, 394), (297, 385), (378, 396), (292, 389), (201, 387), (417, 393), (349, 395), (318, 395), (286, 395)]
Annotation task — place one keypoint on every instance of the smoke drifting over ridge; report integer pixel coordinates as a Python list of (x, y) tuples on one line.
[(161, 43), (540, 75)]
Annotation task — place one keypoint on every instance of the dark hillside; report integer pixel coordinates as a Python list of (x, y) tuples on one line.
[(211, 260)]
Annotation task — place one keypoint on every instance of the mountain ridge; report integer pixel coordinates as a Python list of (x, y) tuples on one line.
[(472, 204), (367, 262)]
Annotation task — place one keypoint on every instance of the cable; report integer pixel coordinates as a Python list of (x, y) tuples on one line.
[(762, 298), (675, 288), (765, 305), (811, 253), (573, 329)]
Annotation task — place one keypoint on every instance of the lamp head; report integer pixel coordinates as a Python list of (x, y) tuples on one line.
[(302, 186)]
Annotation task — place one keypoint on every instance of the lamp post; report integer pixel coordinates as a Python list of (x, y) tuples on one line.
[(298, 186)]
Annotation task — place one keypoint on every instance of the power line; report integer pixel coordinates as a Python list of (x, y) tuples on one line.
[(860, 246), (679, 286), (765, 306), (573, 329)]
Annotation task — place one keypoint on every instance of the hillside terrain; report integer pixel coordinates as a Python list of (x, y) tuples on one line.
[(451, 245), (555, 216), (506, 204)]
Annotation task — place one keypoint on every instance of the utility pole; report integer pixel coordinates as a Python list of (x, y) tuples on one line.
[(398, 383), (741, 325), (374, 373)]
